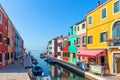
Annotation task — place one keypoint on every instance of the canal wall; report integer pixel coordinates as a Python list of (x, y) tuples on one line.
[(79, 71)]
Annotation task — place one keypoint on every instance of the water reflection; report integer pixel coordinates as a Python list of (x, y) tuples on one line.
[(56, 71), (60, 73)]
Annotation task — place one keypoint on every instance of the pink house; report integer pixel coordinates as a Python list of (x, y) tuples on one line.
[(81, 39)]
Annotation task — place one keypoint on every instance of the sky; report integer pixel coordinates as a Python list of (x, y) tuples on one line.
[(39, 21)]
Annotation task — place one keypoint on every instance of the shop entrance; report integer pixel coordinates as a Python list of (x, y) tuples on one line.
[(116, 63), (101, 60)]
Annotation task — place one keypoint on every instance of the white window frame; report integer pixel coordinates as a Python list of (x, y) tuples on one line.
[(106, 13), (0, 33), (92, 39), (1, 18), (89, 19), (106, 36), (84, 41), (113, 7)]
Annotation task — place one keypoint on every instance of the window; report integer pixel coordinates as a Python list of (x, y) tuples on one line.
[(90, 20), (6, 27), (74, 28), (103, 37), (78, 28), (78, 41), (89, 39), (0, 38), (6, 56), (68, 54), (104, 13), (11, 55), (0, 57), (83, 26), (7, 41), (116, 30), (74, 42), (65, 43), (0, 19), (116, 7), (83, 40), (68, 43), (74, 55)]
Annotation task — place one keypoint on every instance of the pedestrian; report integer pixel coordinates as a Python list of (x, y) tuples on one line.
[(22, 61)]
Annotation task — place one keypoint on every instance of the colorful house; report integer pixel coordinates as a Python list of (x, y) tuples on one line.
[(65, 48), (17, 41), (54, 47), (49, 49), (60, 47), (7, 39), (81, 39), (3, 40), (103, 33), (10, 40), (72, 49)]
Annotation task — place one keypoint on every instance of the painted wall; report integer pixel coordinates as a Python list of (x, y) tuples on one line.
[(72, 49), (101, 25), (80, 30)]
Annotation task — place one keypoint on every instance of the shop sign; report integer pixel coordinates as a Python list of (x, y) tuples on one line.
[(96, 69)]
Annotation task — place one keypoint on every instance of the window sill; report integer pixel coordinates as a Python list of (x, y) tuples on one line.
[(103, 42)]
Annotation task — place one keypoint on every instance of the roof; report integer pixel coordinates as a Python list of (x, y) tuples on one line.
[(78, 22), (98, 7)]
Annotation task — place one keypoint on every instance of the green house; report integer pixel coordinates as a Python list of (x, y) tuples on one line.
[(72, 49)]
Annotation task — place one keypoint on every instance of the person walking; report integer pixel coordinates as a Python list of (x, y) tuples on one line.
[(22, 61)]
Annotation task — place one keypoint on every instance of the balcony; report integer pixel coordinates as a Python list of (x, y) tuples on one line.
[(114, 43)]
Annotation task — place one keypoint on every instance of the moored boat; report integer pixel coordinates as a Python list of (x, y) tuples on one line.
[(37, 73)]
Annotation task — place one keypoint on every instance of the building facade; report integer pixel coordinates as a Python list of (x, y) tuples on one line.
[(103, 32), (81, 39), (7, 39), (72, 49), (60, 47), (65, 48), (96, 39)]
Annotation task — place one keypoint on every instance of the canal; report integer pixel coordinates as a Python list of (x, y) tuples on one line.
[(57, 72)]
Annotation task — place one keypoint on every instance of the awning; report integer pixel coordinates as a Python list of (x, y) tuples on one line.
[(90, 53)]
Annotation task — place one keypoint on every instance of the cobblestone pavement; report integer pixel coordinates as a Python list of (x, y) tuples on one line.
[(15, 71)]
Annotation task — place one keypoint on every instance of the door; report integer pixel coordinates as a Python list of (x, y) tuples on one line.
[(3, 59), (116, 63)]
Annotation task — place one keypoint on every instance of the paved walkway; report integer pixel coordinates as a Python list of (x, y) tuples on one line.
[(15, 71)]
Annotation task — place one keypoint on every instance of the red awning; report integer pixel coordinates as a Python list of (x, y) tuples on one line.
[(90, 53)]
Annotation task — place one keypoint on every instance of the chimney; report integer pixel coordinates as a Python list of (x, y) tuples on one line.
[(98, 4)]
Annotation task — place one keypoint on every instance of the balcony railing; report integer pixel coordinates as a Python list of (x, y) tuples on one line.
[(114, 42)]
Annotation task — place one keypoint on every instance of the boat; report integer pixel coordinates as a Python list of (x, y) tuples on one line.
[(37, 73), (42, 56), (50, 60)]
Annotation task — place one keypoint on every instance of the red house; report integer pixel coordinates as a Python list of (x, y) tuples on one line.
[(3, 38), (65, 48)]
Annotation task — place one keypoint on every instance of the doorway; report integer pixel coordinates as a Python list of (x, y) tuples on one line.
[(3, 59), (101, 60), (116, 63)]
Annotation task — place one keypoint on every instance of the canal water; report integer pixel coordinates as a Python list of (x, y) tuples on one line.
[(56, 71)]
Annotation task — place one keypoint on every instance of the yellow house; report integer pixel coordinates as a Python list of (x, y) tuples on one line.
[(103, 32), (10, 40)]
